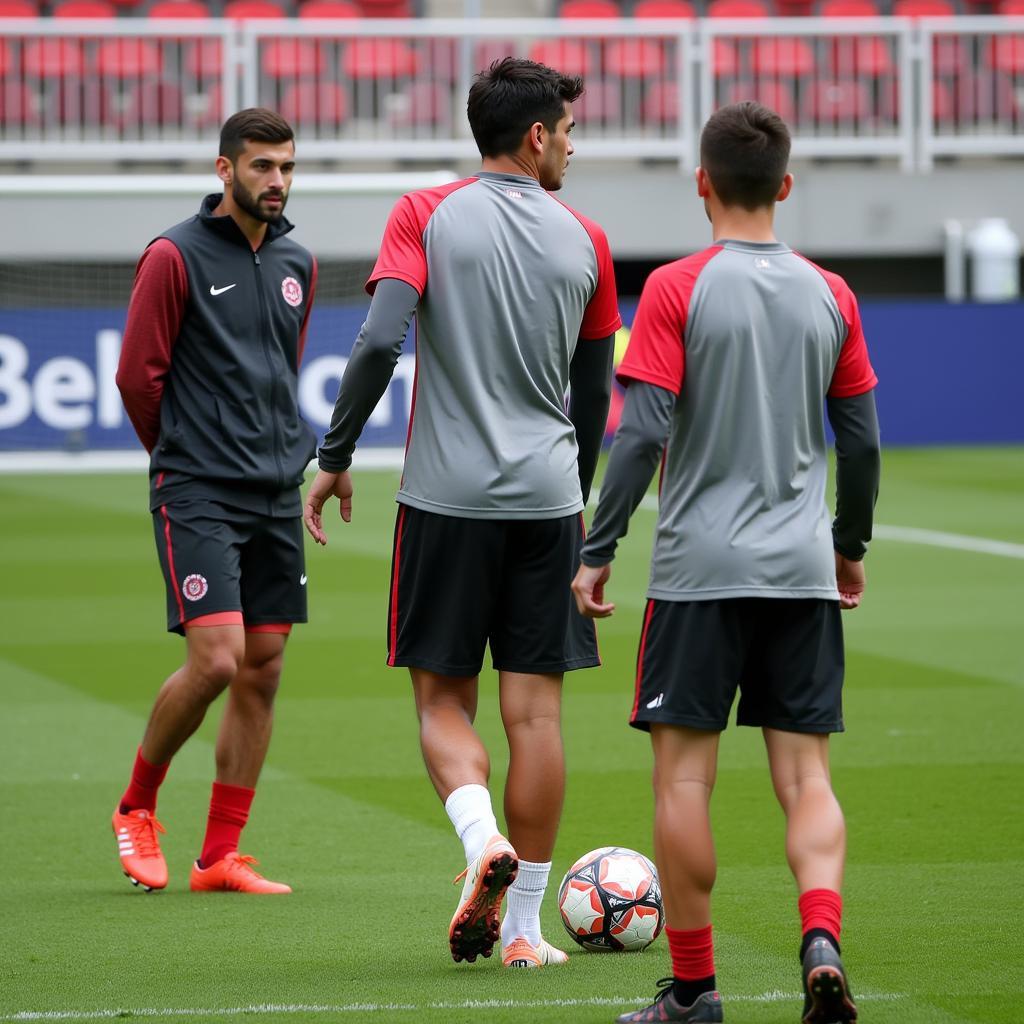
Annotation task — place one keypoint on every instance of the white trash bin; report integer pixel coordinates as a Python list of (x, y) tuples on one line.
[(995, 261)]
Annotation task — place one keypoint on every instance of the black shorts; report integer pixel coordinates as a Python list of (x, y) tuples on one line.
[(218, 559), (457, 584), (785, 656)]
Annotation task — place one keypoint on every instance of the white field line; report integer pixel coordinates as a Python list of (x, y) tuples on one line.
[(270, 1009), (913, 535)]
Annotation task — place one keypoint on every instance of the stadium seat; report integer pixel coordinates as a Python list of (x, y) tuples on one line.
[(986, 98), (1006, 54), (664, 9), (922, 9), (836, 103), (849, 9), (292, 58), (738, 9), (143, 108), (127, 58), (188, 9), (386, 8), (18, 9), (600, 104), (725, 57), (8, 61), (783, 57), (383, 58), (635, 58), (422, 105), (856, 56), (660, 106), (329, 9), (19, 105), (52, 58), (85, 9), (571, 56), (1009, 8), (590, 9), (252, 10), (204, 111), (777, 96), (308, 104)]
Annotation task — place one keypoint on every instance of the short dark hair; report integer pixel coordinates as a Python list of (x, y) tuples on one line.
[(254, 124), (511, 95), (745, 150)]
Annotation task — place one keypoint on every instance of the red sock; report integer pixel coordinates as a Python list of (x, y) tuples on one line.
[(693, 953), (821, 909), (146, 780), (229, 811)]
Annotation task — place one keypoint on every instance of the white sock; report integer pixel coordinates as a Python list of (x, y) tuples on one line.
[(469, 808), (525, 895)]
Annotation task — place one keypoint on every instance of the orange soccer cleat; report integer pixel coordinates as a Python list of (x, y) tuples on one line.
[(138, 845), (523, 953), (234, 873), (476, 926)]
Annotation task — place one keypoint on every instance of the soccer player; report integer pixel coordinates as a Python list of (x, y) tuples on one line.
[(514, 296), (208, 373), (736, 354)]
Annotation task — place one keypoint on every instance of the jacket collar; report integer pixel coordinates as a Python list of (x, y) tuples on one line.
[(227, 228)]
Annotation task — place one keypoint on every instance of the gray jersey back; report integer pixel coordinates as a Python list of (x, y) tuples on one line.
[(509, 279), (742, 504)]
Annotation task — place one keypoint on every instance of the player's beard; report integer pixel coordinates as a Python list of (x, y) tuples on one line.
[(251, 204)]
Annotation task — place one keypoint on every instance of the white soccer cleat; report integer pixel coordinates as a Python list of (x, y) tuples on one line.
[(522, 953), (476, 924)]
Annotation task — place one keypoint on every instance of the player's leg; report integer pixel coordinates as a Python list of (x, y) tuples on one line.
[(537, 635), (273, 593), (531, 710)]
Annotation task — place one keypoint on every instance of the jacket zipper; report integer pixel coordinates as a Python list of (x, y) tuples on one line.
[(264, 336)]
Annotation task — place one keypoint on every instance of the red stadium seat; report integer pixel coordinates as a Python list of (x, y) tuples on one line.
[(777, 96), (145, 108), (923, 9), (664, 9), (386, 8), (380, 58), (570, 56), (189, 9), (783, 57), (308, 104), (18, 9), (204, 59), (987, 98), (422, 105), (84, 9), (837, 102), (635, 58), (725, 58), (52, 58), (849, 9), (329, 9), (1010, 7), (600, 104), (737, 9), (590, 9), (1006, 53), (857, 56), (252, 10), (127, 58), (660, 104), (292, 58), (19, 105), (7, 58)]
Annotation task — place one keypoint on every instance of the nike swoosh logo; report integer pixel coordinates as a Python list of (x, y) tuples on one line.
[(302, 580), (219, 291)]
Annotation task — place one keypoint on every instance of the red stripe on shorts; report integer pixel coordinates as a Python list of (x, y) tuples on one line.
[(393, 625), (640, 658), (170, 563)]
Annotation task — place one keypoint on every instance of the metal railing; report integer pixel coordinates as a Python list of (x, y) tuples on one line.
[(361, 89)]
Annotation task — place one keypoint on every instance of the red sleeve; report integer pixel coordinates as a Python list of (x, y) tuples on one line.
[(402, 256), (309, 309), (656, 352), (853, 374), (601, 317), (155, 311)]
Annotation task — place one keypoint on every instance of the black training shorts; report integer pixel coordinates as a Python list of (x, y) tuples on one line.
[(220, 559), (457, 584), (785, 656)]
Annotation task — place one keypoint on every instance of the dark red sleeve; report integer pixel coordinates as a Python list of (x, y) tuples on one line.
[(155, 311), (601, 317), (656, 353), (853, 374), (309, 309)]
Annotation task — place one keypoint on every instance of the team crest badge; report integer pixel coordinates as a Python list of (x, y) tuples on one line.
[(195, 587), (292, 291)]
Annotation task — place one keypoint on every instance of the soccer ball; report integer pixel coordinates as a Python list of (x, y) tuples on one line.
[(610, 899)]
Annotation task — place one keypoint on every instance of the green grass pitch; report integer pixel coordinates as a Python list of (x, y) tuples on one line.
[(930, 773)]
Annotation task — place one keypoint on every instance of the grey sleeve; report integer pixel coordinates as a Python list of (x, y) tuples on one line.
[(858, 468), (369, 370), (636, 451), (590, 384)]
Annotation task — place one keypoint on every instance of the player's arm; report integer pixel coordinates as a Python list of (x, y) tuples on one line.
[(366, 378), (590, 394), (155, 311), (635, 454), (854, 421)]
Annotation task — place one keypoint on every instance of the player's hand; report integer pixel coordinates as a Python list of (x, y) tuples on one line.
[(324, 485), (851, 580), (588, 589)]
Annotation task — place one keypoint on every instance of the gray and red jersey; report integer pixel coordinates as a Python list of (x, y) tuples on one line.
[(509, 279), (752, 338)]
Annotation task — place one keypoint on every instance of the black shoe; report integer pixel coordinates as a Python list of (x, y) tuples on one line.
[(827, 997), (706, 1008)]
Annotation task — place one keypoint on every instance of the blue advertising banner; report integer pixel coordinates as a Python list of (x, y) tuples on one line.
[(947, 375)]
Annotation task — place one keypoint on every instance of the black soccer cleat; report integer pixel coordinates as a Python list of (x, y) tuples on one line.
[(827, 998), (706, 1008)]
